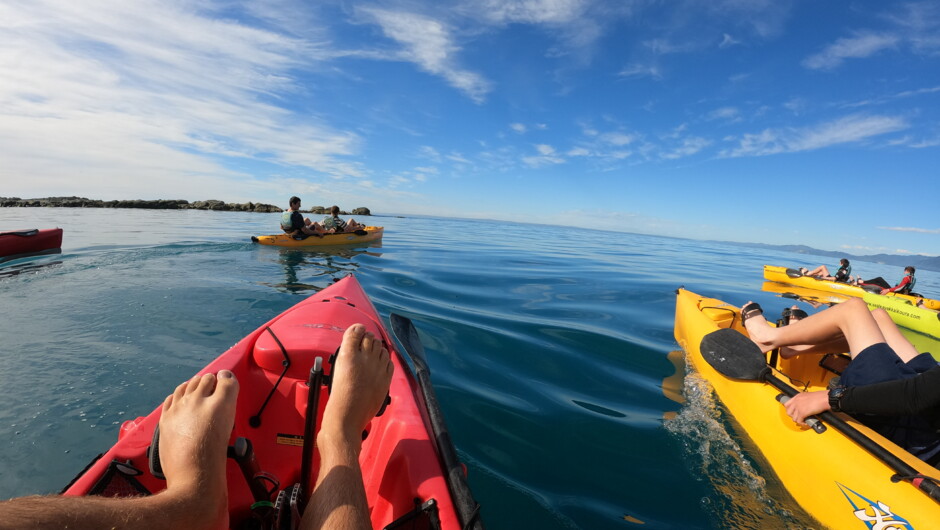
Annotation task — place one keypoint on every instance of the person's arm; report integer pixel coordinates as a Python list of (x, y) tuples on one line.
[(904, 281), (903, 397), (914, 396)]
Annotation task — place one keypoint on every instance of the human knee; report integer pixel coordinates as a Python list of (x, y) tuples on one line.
[(856, 304), (881, 315)]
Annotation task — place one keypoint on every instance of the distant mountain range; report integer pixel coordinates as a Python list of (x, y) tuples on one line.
[(931, 263)]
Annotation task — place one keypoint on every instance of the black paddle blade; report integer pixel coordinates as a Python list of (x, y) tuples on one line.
[(733, 355), (407, 335), (794, 273)]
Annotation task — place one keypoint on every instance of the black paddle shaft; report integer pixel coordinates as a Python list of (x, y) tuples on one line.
[(736, 356), (468, 509)]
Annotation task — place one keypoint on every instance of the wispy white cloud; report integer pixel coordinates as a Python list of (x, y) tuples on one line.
[(724, 113), (149, 96), (518, 127), (727, 41), (546, 156), (688, 147), (429, 44), (857, 47), (848, 129), (911, 229), (642, 70), (555, 12)]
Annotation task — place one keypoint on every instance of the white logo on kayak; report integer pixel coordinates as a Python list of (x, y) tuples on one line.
[(875, 514)]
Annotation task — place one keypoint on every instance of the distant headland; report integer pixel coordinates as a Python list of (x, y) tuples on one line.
[(161, 204)]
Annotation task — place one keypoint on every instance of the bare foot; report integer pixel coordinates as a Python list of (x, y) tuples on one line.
[(361, 378), (195, 427), (758, 329)]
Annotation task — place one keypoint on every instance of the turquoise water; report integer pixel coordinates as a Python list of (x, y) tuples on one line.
[(549, 348)]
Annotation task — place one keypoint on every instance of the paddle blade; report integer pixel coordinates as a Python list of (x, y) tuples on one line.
[(407, 335), (733, 355), (793, 273)]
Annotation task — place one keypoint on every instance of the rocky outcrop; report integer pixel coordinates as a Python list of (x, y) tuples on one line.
[(160, 204)]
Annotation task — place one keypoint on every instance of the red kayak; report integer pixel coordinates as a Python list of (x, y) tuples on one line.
[(411, 473), (31, 241)]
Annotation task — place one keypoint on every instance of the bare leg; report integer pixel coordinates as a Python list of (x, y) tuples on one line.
[(850, 319), (836, 345), (315, 228), (818, 271), (195, 426), (893, 336), (361, 381)]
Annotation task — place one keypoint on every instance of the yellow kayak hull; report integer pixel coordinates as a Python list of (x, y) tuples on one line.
[(906, 314), (781, 274), (832, 478), (373, 233)]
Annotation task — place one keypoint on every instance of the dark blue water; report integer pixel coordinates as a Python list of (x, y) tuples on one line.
[(549, 348)]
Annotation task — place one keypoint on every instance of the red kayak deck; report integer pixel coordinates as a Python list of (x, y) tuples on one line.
[(31, 241), (400, 462)]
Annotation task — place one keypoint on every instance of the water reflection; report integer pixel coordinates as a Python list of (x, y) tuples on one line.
[(302, 266), (20, 268), (15, 257)]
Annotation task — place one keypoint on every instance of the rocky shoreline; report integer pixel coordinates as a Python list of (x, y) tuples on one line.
[(160, 204)]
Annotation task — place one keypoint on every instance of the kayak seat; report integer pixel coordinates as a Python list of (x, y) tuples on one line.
[(304, 340), (119, 481)]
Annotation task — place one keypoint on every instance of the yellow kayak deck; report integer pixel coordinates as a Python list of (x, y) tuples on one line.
[(372, 233), (833, 478), (793, 277)]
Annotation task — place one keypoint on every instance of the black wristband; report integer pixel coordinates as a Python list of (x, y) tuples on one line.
[(835, 398)]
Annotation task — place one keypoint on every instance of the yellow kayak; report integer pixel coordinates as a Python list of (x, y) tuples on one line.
[(366, 235), (833, 478), (794, 277), (906, 314)]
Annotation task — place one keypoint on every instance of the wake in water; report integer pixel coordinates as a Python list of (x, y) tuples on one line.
[(743, 497)]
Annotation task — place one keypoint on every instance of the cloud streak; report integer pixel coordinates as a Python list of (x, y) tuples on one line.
[(428, 43), (849, 129), (857, 47), (151, 95), (911, 229)]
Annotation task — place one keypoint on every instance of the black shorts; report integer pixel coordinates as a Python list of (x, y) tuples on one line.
[(878, 363)]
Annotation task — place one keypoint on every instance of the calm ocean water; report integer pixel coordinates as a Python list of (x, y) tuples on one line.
[(551, 349)]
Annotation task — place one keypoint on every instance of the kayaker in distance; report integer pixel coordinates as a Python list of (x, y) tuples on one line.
[(334, 223), (195, 427), (843, 274), (293, 223), (880, 353), (905, 286)]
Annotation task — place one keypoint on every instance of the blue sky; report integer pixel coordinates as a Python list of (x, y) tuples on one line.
[(748, 120)]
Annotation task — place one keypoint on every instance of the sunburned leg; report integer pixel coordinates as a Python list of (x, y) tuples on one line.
[(195, 427), (360, 382), (850, 319), (818, 271)]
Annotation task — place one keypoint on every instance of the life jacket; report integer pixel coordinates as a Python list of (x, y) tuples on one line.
[(286, 224), (843, 274), (909, 287)]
